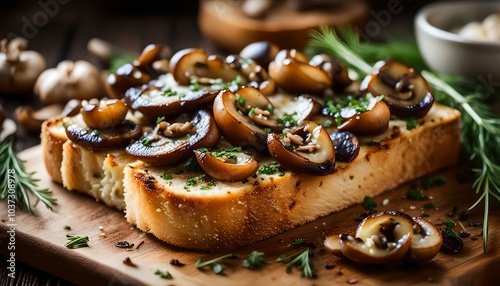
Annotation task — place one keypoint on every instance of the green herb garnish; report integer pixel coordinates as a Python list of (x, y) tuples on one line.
[(411, 123), (169, 92), (269, 169), (415, 194), (215, 264), (369, 203), (429, 206), (194, 85), (160, 119), (298, 241), (302, 260), (242, 102), (67, 227), (167, 177), (15, 178), (255, 260), (449, 232), (480, 126), (434, 181), (288, 119), (146, 142), (164, 274), (75, 241)]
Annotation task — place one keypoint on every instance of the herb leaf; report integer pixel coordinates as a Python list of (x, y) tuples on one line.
[(302, 260), (76, 241), (217, 267), (255, 260), (164, 274), (14, 177), (369, 203)]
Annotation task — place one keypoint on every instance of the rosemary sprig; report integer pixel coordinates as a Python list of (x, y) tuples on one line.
[(215, 264), (76, 241), (480, 135), (255, 260), (302, 260), (14, 177)]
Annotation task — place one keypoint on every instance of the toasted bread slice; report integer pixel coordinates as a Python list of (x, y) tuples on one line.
[(181, 208), (53, 137)]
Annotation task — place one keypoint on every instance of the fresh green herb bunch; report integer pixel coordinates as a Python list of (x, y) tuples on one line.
[(480, 134), (14, 177)]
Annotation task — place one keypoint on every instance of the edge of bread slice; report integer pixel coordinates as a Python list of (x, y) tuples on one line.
[(183, 209)]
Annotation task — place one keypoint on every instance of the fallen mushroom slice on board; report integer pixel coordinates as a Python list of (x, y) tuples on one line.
[(405, 90), (171, 143), (227, 165), (380, 238), (231, 112), (307, 149), (425, 243), (291, 70)]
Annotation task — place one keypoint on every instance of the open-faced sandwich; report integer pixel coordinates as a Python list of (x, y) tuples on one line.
[(209, 152)]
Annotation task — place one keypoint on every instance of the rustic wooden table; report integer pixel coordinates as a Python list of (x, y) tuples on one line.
[(61, 29)]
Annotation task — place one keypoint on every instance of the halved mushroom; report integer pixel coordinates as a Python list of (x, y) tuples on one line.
[(262, 52), (164, 97), (231, 112), (171, 143), (94, 139), (105, 114), (227, 165), (292, 72), (425, 243), (332, 244), (380, 238), (405, 90), (335, 69), (308, 149), (373, 121), (346, 145), (126, 76)]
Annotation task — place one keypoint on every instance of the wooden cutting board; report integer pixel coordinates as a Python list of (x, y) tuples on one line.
[(40, 242)]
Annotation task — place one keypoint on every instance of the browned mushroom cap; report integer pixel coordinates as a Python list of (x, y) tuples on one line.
[(227, 165), (292, 72), (125, 77), (373, 121), (335, 69), (346, 145), (405, 91), (164, 97), (380, 238), (262, 52), (231, 114), (332, 244), (105, 114), (425, 243), (94, 139), (173, 145), (308, 150), (150, 54)]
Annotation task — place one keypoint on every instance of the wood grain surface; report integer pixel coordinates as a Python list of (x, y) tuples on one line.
[(40, 242)]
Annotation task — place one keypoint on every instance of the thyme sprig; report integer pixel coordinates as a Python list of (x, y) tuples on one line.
[(216, 265), (302, 260), (480, 134), (15, 177)]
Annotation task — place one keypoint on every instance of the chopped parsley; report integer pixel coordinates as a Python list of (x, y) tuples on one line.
[(169, 92), (424, 214), (415, 194), (327, 123), (96, 133), (435, 181), (194, 85), (146, 142), (451, 240), (369, 203), (411, 123), (164, 274), (67, 227), (288, 119), (429, 206), (267, 130), (195, 180), (167, 177), (298, 241), (350, 103), (255, 260), (269, 169), (160, 119), (242, 102)]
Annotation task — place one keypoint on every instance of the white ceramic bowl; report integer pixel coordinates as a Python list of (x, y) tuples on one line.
[(445, 51)]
